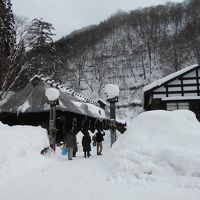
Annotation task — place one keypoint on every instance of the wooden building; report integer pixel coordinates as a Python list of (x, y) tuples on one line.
[(29, 106), (179, 90)]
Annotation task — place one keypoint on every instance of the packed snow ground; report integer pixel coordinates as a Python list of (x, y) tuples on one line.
[(157, 158)]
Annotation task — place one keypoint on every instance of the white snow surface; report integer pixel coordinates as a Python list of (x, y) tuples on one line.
[(111, 91), (20, 148), (97, 111), (158, 157), (52, 94)]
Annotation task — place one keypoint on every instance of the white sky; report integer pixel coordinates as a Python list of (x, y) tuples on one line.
[(69, 15)]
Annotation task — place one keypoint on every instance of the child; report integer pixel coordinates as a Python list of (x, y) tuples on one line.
[(86, 140)]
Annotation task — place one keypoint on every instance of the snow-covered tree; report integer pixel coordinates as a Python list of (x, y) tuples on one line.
[(12, 79), (7, 37), (42, 49)]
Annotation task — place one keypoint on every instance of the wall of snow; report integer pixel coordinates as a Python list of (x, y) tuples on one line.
[(158, 143), (20, 148)]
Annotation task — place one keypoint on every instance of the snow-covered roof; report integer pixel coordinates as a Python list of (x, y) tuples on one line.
[(169, 77), (96, 111), (33, 98), (70, 91)]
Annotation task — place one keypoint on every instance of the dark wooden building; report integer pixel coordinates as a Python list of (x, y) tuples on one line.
[(179, 90), (29, 106)]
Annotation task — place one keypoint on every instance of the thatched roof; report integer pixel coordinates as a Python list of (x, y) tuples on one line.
[(32, 99)]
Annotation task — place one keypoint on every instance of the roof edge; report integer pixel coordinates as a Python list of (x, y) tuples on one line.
[(170, 77)]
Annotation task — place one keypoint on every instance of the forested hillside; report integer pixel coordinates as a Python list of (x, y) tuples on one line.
[(132, 49)]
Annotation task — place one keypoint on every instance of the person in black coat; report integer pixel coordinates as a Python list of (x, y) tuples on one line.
[(86, 143), (99, 140), (75, 148)]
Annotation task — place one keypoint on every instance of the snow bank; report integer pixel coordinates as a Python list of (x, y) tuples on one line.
[(20, 148), (52, 94), (159, 143), (157, 158), (111, 91)]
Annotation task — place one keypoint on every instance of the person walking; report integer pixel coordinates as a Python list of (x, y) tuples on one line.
[(99, 139), (75, 149), (86, 143), (70, 141)]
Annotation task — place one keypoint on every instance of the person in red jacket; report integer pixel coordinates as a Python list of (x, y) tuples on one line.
[(99, 139)]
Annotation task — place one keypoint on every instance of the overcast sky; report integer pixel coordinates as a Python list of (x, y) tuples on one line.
[(69, 15)]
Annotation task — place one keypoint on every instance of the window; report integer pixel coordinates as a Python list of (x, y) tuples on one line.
[(178, 106), (172, 106), (183, 105)]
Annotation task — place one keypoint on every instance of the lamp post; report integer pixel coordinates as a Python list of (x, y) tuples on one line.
[(52, 95), (112, 92), (113, 136)]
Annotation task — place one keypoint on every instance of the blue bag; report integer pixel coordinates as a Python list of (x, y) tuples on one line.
[(64, 151)]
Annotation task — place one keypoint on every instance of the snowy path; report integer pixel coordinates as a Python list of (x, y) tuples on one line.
[(80, 178), (89, 179)]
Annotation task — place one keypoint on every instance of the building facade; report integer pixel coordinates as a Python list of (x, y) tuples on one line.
[(179, 90)]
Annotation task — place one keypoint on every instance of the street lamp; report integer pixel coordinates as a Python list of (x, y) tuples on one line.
[(52, 95), (112, 92)]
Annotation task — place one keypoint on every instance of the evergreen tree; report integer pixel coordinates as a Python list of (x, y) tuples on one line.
[(7, 37), (42, 49)]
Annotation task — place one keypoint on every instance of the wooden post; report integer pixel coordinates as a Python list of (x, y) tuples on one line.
[(113, 136), (52, 95), (52, 125)]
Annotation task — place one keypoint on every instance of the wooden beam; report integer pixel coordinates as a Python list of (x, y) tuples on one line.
[(167, 92), (184, 84), (182, 91), (189, 78), (197, 78), (176, 92)]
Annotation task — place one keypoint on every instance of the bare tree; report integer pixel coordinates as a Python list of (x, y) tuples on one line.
[(79, 62), (174, 54)]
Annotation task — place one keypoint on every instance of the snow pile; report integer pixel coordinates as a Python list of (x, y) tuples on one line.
[(111, 91), (159, 143), (157, 158), (20, 148), (52, 94)]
